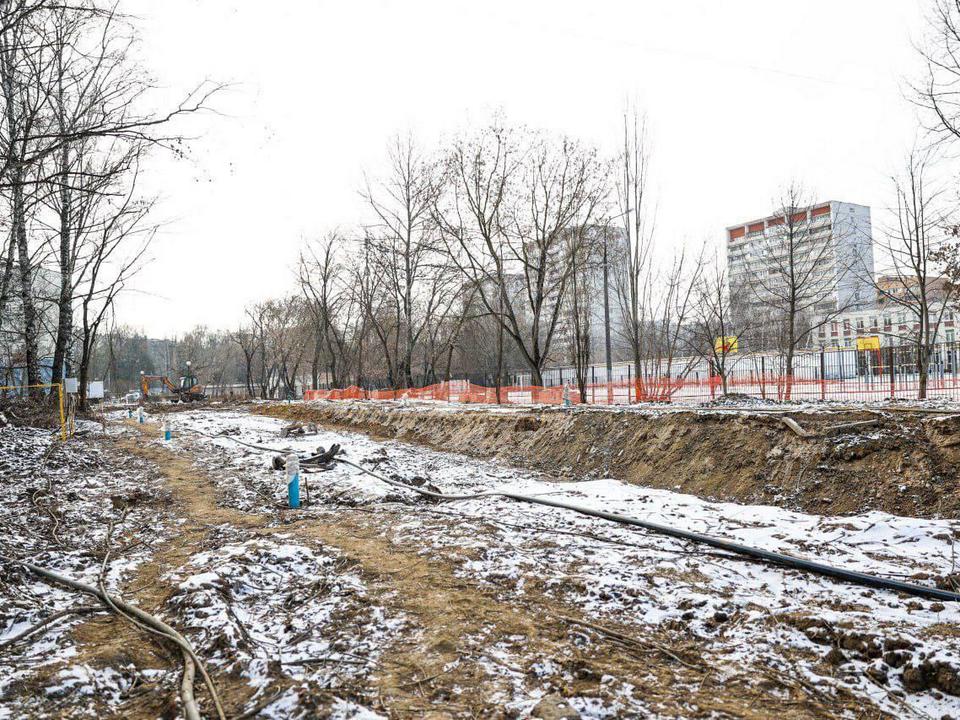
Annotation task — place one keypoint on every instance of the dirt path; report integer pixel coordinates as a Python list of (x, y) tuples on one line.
[(464, 646)]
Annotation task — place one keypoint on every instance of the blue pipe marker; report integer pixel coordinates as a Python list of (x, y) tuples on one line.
[(293, 480)]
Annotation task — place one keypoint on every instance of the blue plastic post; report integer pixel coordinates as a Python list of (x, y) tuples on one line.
[(293, 480)]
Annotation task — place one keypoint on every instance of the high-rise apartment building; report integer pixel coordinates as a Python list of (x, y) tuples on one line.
[(832, 255)]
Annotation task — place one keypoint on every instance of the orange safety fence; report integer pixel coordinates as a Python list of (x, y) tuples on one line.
[(768, 386), (465, 391)]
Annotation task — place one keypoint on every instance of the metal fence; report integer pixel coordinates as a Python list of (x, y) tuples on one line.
[(834, 374), (889, 373)]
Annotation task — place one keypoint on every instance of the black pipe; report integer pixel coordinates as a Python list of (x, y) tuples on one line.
[(851, 576), (790, 561), (781, 559)]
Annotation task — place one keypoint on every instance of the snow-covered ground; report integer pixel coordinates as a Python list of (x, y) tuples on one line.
[(899, 652), (730, 404), (56, 505), (264, 609)]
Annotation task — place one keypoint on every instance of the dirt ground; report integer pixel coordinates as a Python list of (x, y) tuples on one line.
[(454, 619), (428, 639), (856, 460)]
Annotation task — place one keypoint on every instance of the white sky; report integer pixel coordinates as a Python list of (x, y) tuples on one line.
[(742, 96)]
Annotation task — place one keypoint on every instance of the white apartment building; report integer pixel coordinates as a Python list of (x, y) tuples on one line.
[(834, 242)]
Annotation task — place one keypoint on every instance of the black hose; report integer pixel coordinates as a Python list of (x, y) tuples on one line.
[(851, 576), (789, 561)]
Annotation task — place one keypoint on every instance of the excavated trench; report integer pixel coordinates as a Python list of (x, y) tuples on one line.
[(830, 462)]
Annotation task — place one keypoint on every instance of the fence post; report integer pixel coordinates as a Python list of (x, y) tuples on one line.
[(823, 374), (763, 377), (893, 386)]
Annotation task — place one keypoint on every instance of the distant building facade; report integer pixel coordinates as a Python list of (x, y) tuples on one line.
[(893, 323), (835, 247)]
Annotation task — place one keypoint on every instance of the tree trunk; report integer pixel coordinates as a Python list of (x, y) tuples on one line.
[(923, 361), (18, 219), (637, 380), (30, 347), (536, 376), (791, 345), (65, 301), (606, 321), (5, 283)]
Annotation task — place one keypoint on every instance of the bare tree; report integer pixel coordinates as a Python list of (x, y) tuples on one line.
[(334, 307), (715, 326), (938, 91), (22, 68), (405, 250), (71, 125), (634, 275), (795, 275), (114, 245), (667, 308), (507, 219), (247, 342), (917, 255), (586, 257), (479, 171)]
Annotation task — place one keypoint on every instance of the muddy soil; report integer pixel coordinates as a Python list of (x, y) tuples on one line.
[(439, 666), (460, 648), (851, 462)]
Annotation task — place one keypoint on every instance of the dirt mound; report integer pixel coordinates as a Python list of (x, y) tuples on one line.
[(839, 462), (29, 412)]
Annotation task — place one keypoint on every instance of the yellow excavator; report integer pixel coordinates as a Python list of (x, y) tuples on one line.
[(189, 389)]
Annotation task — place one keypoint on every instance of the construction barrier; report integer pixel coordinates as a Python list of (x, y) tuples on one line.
[(866, 377), (464, 391)]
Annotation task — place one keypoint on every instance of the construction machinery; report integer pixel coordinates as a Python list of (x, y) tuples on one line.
[(188, 390)]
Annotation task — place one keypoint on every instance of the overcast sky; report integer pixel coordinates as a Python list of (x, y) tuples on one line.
[(741, 95)]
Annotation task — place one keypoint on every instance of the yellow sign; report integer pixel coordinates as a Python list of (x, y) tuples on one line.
[(870, 342), (725, 345)]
